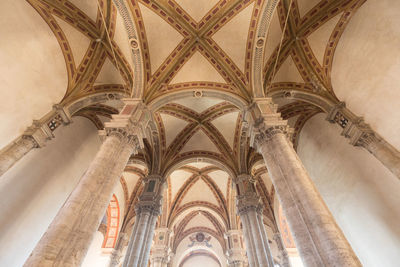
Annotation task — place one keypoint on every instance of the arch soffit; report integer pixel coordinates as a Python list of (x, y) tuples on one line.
[(193, 252), (136, 49), (317, 100), (191, 206), (206, 159), (199, 253), (164, 99), (258, 51), (177, 209)]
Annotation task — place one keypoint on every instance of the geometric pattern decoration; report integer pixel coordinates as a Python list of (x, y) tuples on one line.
[(319, 39), (112, 223), (285, 231), (236, 32)]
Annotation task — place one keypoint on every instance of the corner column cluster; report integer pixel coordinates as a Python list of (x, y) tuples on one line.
[(147, 211), (250, 211), (68, 237), (318, 238)]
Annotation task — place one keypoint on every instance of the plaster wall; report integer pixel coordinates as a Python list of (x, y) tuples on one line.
[(361, 193), (32, 192), (33, 75), (366, 67)]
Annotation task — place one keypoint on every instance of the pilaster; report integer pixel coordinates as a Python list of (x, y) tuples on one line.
[(362, 135), (236, 254)]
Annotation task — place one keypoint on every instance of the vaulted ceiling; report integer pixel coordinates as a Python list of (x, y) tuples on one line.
[(192, 62)]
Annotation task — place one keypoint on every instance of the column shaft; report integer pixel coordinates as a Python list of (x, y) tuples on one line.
[(137, 240), (148, 240), (256, 230), (147, 211), (14, 152), (264, 238), (317, 236), (68, 238), (250, 244)]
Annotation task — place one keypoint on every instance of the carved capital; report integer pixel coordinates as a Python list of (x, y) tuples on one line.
[(130, 124), (267, 122), (236, 256), (151, 207), (265, 134), (247, 203)]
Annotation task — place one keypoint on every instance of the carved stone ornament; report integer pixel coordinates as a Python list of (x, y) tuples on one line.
[(248, 202), (200, 239), (267, 122), (130, 124)]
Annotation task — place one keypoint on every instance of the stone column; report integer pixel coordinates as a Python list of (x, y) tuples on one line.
[(317, 236), (361, 134), (160, 251), (250, 209), (284, 257), (35, 136), (236, 254), (147, 210), (68, 237)]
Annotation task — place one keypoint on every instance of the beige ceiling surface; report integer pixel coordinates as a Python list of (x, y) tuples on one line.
[(197, 68), (89, 7), (198, 104), (319, 39), (173, 126), (197, 9), (109, 74), (78, 42), (288, 72), (306, 5), (161, 37), (199, 141), (232, 37)]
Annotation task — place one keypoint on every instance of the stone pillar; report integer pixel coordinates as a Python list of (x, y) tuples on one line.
[(147, 210), (283, 255), (160, 251), (317, 236), (250, 210), (235, 254), (68, 237), (361, 134), (35, 136)]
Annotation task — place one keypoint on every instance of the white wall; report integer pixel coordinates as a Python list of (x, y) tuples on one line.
[(33, 190), (95, 256), (361, 193)]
